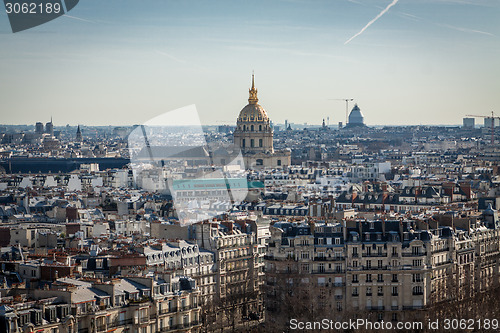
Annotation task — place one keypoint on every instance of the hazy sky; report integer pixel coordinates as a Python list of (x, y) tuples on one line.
[(124, 62)]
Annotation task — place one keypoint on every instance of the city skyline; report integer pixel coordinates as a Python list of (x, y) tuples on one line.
[(418, 62)]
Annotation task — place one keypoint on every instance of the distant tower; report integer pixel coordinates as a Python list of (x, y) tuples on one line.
[(253, 127), (49, 127), (39, 128), (78, 134), (323, 123), (254, 136)]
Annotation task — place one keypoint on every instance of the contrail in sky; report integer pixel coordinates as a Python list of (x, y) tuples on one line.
[(372, 21)]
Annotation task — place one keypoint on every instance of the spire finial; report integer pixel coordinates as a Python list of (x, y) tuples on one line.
[(252, 99)]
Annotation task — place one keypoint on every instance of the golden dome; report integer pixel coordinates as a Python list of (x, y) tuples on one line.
[(253, 112)]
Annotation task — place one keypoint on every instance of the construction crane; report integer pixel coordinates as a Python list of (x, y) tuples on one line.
[(492, 117), (346, 100)]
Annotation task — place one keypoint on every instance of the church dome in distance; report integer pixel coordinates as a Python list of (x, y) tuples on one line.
[(356, 118), (253, 112)]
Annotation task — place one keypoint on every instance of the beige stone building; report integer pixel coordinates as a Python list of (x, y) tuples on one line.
[(383, 267), (254, 136)]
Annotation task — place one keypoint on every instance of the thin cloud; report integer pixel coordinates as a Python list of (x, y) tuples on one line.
[(182, 61), (372, 21), (78, 18), (467, 30)]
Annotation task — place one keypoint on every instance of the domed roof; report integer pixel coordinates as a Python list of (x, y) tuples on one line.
[(356, 117), (253, 113)]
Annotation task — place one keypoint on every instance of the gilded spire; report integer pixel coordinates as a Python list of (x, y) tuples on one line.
[(252, 99)]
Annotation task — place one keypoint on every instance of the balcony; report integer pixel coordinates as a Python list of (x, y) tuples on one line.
[(368, 294), (375, 254), (420, 254), (394, 307), (120, 323), (375, 308), (413, 307)]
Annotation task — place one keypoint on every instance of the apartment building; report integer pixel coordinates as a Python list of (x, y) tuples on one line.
[(385, 267)]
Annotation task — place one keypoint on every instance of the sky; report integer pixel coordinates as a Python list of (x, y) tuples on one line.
[(124, 62)]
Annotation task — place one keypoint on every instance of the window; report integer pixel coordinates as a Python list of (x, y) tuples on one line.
[(368, 278), (380, 291), (394, 291), (394, 251), (337, 241), (355, 278), (418, 290), (251, 128), (380, 278), (355, 291), (321, 268), (394, 278), (355, 263), (252, 143), (368, 264), (380, 264), (417, 278), (354, 251), (368, 291), (260, 142), (279, 162)]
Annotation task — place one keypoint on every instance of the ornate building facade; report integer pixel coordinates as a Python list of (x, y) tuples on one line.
[(254, 136)]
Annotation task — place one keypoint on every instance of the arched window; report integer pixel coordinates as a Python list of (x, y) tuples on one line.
[(251, 128), (260, 127)]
